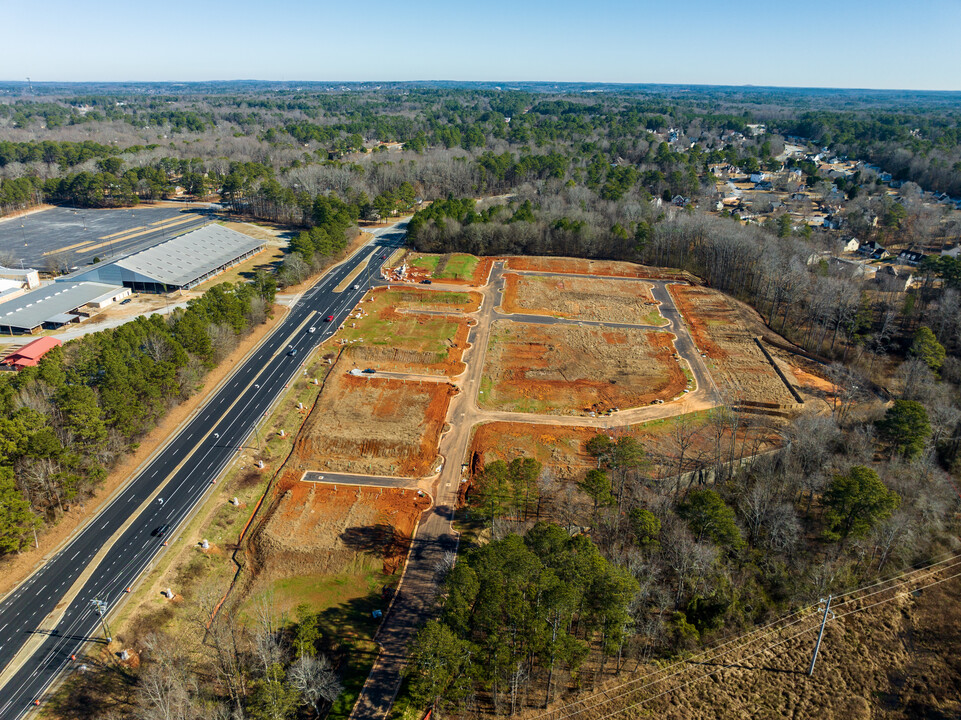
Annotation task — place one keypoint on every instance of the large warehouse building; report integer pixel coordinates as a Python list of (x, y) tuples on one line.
[(178, 264), (56, 305)]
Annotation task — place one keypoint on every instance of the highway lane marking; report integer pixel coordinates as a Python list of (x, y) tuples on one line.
[(26, 651)]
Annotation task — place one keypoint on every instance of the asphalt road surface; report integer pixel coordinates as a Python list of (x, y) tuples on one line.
[(52, 616), (76, 236)]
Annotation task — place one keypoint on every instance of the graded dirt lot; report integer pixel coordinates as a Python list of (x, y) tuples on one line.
[(625, 301), (561, 368), (581, 266), (409, 330), (372, 425), (723, 332), (314, 532)]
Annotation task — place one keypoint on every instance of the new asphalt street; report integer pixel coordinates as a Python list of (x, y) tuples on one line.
[(73, 237), (49, 617)]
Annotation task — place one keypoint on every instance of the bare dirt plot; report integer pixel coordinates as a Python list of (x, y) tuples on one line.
[(582, 266), (387, 331), (372, 425), (313, 531), (626, 301), (559, 369), (721, 331)]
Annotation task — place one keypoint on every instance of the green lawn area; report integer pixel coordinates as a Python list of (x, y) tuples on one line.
[(654, 317), (420, 300), (345, 603), (426, 262), (459, 267), (408, 332)]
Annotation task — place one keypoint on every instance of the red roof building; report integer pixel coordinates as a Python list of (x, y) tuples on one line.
[(29, 355)]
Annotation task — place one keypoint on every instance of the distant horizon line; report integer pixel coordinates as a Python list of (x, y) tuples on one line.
[(500, 84)]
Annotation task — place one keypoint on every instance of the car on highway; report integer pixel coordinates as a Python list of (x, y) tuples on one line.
[(161, 531), (292, 352), (383, 257), (329, 318), (356, 287), (311, 330)]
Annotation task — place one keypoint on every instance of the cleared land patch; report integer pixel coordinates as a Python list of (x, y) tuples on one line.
[(582, 266), (400, 330), (453, 268), (328, 545), (721, 331), (560, 448), (624, 301), (372, 425), (557, 369)]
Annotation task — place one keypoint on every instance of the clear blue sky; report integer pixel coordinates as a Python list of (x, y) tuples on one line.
[(820, 43)]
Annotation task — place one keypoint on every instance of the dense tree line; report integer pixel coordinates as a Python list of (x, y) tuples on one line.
[(517, 608), (922, 147), (68, 420), (845, 501)]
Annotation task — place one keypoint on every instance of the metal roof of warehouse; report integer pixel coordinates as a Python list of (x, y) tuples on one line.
[(51, 303), (190, 256)]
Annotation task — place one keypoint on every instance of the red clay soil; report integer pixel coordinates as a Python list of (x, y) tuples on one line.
[(318, 527), (391, 359), (537, 364), (514, 297), (373, 425), (560, 449), (582, 266), (698, 306)]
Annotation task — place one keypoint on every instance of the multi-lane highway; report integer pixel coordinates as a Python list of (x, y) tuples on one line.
[(50, 616)]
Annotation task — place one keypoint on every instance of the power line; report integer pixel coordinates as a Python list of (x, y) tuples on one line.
[(624, 689)]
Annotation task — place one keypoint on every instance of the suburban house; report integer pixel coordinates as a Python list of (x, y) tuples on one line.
[(29, 355), (910, 257), (891, 279), (851, 245), (873, 250)]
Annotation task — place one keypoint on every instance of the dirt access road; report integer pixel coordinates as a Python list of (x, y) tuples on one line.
[(414, 602)]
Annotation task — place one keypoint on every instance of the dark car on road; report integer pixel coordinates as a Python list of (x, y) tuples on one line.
[(161, 531), (426, 281), (370, 371), (292, 352)]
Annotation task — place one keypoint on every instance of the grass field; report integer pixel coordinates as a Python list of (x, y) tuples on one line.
[(424, 262), (457, 267)]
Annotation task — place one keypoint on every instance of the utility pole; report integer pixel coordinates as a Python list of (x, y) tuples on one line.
[(100, 607), (824, 621)]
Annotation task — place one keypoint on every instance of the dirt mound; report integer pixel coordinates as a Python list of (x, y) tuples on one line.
[(625, 301), (373, 425), (558, 369)]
